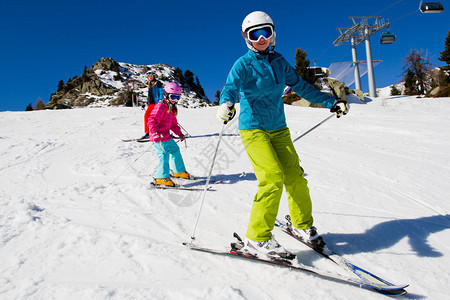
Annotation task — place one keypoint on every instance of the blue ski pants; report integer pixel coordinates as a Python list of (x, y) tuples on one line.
[(168, 153)]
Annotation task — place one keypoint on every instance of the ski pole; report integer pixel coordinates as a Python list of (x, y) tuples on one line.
[(207, 182), (296, 139), (131, 164), (187, 133)]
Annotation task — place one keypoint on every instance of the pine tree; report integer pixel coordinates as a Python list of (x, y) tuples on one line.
[(178, 75), (39, 104), (410, 83), (395, 91), (189, 78), (217, 98), (117, 77), (60, 85), (301, 66), (419, 65), (29, 107), (198, 88), (445, 55)]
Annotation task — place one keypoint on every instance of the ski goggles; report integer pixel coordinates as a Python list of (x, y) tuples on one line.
[(264, 31), (174, 97)]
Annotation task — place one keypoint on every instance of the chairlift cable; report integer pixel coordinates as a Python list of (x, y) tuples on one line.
[(387, 7), (324, 51), (415, 10)]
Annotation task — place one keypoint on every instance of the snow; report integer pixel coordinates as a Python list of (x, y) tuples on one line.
[(78, 219)]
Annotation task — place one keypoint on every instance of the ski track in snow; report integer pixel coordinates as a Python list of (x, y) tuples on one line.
[(78, 219)]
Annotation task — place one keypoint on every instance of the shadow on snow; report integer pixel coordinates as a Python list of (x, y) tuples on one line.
[(387, 234)]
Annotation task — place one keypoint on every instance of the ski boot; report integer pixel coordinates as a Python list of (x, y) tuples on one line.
[(184, 175), (164, 182), (270, 248), (311, 237)]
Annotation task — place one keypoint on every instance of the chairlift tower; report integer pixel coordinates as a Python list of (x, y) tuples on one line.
[(361, 31)]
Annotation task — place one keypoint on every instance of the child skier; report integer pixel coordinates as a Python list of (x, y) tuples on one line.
[(162, 120), (259, 78)]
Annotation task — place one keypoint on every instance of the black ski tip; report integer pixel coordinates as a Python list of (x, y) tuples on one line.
[(392, 293)]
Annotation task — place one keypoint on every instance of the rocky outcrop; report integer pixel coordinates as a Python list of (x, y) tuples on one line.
[(109, 83), (79, 90), (106, 64)]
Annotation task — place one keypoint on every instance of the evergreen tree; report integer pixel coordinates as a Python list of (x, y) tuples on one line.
[(178, 75), (29, 107), (60, 85), (198, 88), (117, 77), (410, 83), (217, 98), (419, 65), (189, 78), (39, 104), (445, 55), (395, 91), (197, 81), (301, 66)]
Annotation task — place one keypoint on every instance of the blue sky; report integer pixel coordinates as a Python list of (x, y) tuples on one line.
[(43, 42)]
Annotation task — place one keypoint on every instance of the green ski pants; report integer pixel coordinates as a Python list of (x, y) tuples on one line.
[(275, 163)]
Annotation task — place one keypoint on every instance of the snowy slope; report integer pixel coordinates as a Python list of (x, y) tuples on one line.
[(78, 222)]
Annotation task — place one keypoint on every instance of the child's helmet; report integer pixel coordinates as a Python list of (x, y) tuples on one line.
[(255, 19), (172, 88)]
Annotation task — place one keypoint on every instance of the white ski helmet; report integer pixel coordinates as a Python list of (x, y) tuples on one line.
[(255, 19)]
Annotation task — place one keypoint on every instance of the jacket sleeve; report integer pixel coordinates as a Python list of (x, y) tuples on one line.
[(305, 90), (175, 127), (157, 91), (234, 82), (154, 120)]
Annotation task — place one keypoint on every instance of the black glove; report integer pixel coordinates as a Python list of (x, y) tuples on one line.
[(340, 108)]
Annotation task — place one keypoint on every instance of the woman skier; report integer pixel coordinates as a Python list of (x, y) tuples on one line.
[(258, 79), (155, 93)]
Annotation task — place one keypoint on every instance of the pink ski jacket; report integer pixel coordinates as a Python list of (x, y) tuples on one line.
[(162, 122)]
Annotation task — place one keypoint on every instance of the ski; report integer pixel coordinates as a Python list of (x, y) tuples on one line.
[(191, 180), (142, 140), (146, 140), (179, 187), (194, 181), (390, 290), (339, 260)]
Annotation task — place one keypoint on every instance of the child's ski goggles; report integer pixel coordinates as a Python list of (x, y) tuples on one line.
[(264, 31), (174, 97)]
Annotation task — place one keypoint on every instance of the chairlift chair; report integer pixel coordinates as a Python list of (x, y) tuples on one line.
[(431, 7), (387, 38), (320, 71)]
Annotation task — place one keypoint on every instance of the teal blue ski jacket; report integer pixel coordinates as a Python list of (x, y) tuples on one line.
[(258, 81)]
